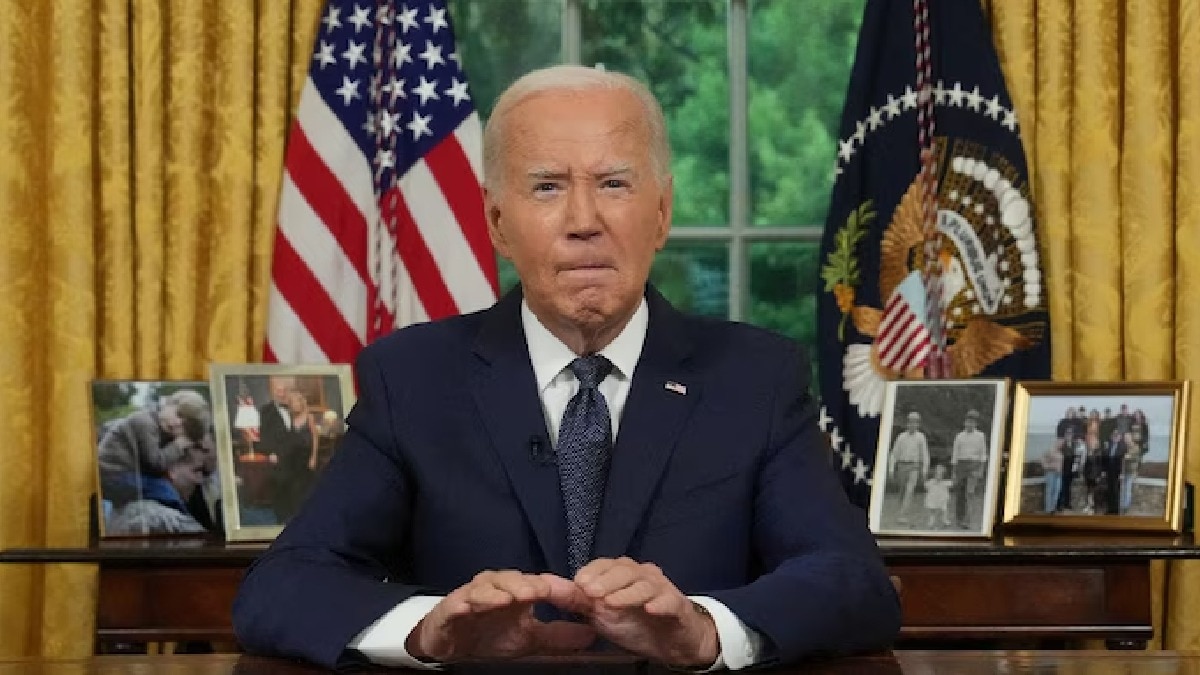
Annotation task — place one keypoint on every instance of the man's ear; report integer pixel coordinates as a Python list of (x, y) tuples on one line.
[(666, 203), (495, 231)]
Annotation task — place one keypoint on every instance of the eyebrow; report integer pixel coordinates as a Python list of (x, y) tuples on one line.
[(552, 174)]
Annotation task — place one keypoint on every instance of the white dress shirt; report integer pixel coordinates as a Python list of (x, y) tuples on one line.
[(383, 641)]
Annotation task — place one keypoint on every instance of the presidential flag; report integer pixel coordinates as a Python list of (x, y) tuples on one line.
[(930, 263), (381, 219)]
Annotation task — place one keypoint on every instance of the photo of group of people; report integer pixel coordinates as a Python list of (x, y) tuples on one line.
[(936, 467), (1097, 455), (157, 463)]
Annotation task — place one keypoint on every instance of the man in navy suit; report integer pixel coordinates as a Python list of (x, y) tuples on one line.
[(447, 527)]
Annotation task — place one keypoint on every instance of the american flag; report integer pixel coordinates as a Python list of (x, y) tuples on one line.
[(904, 340), (381, 219)]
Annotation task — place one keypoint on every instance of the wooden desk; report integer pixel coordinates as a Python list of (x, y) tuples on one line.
[(933, 663), (1026, 589)]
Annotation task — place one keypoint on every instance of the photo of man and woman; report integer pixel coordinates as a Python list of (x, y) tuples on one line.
[(936, 470), (1097, 455), (277, 429), (156, 460)]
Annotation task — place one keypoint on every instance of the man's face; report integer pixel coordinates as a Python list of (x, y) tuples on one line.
[(281, 387), (970, 424), (914, 425), (577, 209)]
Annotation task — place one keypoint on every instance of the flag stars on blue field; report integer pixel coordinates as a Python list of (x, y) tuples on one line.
[(324, 55), (953, 97), (348, 91), (361, 18), (408, 19)]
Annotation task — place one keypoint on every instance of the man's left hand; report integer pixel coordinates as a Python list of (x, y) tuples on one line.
[(637, 608)]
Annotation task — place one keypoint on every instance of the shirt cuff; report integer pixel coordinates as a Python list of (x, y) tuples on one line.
[(740, 645), (383, 641)]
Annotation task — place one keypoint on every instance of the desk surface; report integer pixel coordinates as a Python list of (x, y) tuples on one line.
[(923, 663), (1025, 549)]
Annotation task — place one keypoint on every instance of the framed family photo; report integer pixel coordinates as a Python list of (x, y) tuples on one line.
[(938, 463), (276, 428), (1098, 455), (156, 469)]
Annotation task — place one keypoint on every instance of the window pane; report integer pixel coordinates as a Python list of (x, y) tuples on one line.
[(783, 288), (506, 274), (800, 55), (677, 47), (500, 40), (694, 276)]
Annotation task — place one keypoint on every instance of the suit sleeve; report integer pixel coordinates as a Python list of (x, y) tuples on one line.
[(325, 578), (824, 586)]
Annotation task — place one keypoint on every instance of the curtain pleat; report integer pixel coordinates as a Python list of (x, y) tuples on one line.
[(1095, 232)]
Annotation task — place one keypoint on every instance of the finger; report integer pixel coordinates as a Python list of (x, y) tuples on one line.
[(611, 579), (562, 637), (565, 594), (485, 596), (635, 594), (522, 587), (597, 567), (669, 604)]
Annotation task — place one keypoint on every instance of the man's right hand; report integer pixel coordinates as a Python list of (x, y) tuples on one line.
[(491, 617)]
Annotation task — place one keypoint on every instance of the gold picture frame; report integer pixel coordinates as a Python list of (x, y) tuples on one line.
[(276, 428), (1119, 467), (939, 458), (155, 476)]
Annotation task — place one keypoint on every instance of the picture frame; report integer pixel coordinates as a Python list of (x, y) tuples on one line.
[(939, 457), (155, 461), (267, 463), (1117, 471)]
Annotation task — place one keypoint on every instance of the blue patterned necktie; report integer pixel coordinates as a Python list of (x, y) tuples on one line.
[(584, 446)]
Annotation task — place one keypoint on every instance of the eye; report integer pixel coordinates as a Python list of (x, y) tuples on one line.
[(615, 184), (545, 187)]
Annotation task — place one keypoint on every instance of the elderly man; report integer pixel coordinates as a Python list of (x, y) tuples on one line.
[(580, 466)]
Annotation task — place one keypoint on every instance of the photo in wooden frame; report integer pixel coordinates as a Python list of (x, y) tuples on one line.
[(1097, 455), (276, 428), (156, 468), (937, 467)]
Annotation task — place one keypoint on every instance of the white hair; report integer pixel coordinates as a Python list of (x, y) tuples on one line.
[(572, 78)]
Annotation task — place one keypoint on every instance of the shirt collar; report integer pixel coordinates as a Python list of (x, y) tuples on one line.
[(550, 356)]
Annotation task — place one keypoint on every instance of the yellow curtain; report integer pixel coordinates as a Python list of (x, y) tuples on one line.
[(1108, 96), (140, 151)]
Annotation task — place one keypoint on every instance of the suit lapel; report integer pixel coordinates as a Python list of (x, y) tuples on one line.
[(663, 394), (506, 393)]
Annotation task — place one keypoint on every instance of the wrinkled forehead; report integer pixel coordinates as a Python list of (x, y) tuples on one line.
[(593, 120)]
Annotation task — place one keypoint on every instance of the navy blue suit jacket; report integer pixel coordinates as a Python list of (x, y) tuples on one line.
[(725, 484)]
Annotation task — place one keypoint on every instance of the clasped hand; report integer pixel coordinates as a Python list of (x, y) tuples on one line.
[(630, 604)]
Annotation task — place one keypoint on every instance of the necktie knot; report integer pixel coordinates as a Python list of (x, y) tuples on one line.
[(591, 370)]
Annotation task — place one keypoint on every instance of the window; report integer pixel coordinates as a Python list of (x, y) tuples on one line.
[(752, 91)]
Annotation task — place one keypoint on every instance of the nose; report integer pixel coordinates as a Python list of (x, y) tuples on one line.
[(583, 216)]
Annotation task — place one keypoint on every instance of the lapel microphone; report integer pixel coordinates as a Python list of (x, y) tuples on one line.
[(541, 452)]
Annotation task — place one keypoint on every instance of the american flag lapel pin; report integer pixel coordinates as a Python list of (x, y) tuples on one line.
[(676, 387)]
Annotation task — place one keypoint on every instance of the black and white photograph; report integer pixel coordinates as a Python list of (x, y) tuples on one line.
[(1096, 455), (156, 465), (276, 428), (937, 467)]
